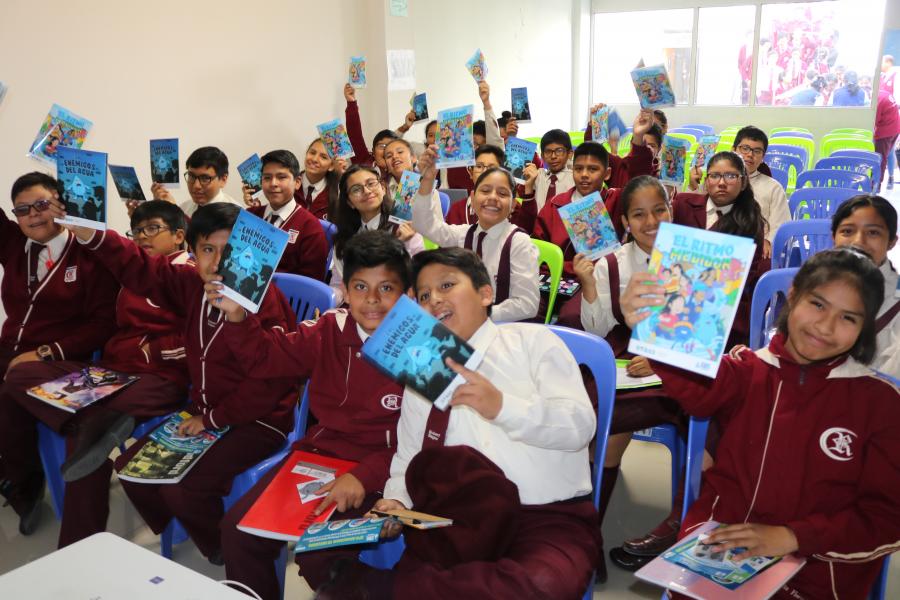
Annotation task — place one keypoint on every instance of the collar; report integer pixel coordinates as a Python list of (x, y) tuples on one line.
[(317, 187), (484, 336), (777, 356), (638, 257), (372, 224), (56, 245), (499, 230), (349, 331), (711, 207), (363, 336), (283, 213), (754, 174)]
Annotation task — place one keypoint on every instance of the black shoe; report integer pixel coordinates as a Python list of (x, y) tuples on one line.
[(94, 441), (656, 542), (216, 558), (28, 505), (628, 561), (601, 575)]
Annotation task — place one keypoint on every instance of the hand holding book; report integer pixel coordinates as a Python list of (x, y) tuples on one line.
[(477, 392), (191, 426), (642, 292), (427, 170), (756, 540)]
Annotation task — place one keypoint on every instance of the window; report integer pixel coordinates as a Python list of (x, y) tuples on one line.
[(725, 54)]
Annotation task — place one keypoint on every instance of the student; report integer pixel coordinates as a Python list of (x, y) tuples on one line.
[(361, 154), (399, 156), (510, 259), (887, 128), (806, 464), (206, 176), (483, 132), (319, 181), (653, 138), (353, 422), (148, 343), (363, 206), (307, 249), (487, 157), (59, 304), (541, 185), (258, 413), (751, 144)]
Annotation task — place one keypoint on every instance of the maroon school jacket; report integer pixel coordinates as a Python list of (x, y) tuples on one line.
[(307, 249), (361, 154), (318, 205), (461, 213)]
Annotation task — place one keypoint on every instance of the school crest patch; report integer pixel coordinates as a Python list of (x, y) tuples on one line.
[(837, 443), (71, 274), (391, 401), (292, 235)]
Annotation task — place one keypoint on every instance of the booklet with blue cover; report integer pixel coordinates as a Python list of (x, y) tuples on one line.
[(703, 273), (251, 174), (476, 66), (61, 127), (411, 346), (419, 105), (653, 87), (521, 110), (250, 258), (401, 212), (334, 136), (600, 124), (164, 162), (705, 151), (346, 532), (454, 138), (617, 126), (127, 183), (82, 388), (358, 71), (590, 227), (673, 161), (519, 153), (82, 174)]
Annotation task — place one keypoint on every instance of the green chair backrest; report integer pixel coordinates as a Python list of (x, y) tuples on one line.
[(551, 255), (536, 140), (839, 142), (780, 129), (577, 138), (726, 141), (625, 145), (864, 132), (805, 143), (429, 245)]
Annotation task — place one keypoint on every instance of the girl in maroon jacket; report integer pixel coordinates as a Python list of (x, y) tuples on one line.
[(807, 462)]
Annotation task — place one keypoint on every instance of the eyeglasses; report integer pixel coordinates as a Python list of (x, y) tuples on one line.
[(555, 152), (357, 190), (729, 177), (204, 180), (148, 231), (23, 210), (752, 151), (481, 167)]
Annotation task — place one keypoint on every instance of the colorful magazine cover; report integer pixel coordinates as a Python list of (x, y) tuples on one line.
[(673, 160), (358, 71), (419, 105), (653, 87), (82, 388), (164, 161), (519, 153), (600, 124), (705, 151), (521, 110), (476, 66), (82, 174), (61, 127), (703, 273), (127, 183), (334, 136), (410, 346), (617, 126), (250, 258), (455, 141), (251, 174), (590, 227), (346, 532), (167, 456), (409, 186)]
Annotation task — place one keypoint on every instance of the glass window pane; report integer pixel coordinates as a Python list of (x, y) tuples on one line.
[(725, 54)]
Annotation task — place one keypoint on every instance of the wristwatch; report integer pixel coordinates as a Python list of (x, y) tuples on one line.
[(44, 352)]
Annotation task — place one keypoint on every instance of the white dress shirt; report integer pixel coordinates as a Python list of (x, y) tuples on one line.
[(772, 200), (564, 182), (712, 212), (597, 317), (540, 437), (51, 251), (317, 187), (189, 207), (282, 213), (887, 353), (524, 280)]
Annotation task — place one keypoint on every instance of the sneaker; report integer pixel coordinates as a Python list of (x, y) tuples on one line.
[(94, 441)]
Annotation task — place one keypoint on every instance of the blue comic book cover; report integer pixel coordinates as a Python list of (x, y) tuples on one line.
[(705, 150), (519, 153), (600, 124), (127, 183), (61, 127), (617, 126), (455, 142), (401, 212), (476, 66), (521, 110), (334, 136), (420, 106), (673, 161), (703, 273), (358, 71), (410, 346), (653, 87), (164, 161), (346, 532), (251, 174), (250, 259), (590, 228), (82, 174)]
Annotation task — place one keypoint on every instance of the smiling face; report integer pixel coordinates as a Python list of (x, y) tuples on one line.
[(38, 226), (865, 229), (589, 174), (279, 184), (365, 194), (824, 323), (646, 210), (371, 294), (317, 162), (398, 158), (492, 200), (448, 294), (208, 253)]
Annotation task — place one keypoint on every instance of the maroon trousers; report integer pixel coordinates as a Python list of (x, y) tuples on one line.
[(196, 500), (884, 146)]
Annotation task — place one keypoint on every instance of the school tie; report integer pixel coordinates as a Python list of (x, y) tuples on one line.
[(719, 215), (436, 427), (34, 258), (273, 218), (551, 191), (481, 237), (310, 191)]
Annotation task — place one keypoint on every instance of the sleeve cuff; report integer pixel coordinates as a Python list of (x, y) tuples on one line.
[(395, 489)]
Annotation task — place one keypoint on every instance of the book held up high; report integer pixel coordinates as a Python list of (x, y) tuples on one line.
[(82, 174), (402, 209), (82, 388), (600, 124), (357, 72), (337, 141), (653, 87), (164, 162), (454, 137), (251, 174), (521, 109), (589, 226), (673, 161), (419, 103), (61, 127), (519, 153), (127, 183), (476, 66)]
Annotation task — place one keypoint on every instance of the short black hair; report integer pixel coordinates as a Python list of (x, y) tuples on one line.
[(751, 133), (285, 158), (431, 123), (656, 132), (384, 134), (32, 179), (459, 258), (592, 148), (167, 212), (510, 180), (504, 118), (209, 156), (491, 149), (884, 209), (479, 128), (211, 218), (556, 136), (661, 117), (369, 249)]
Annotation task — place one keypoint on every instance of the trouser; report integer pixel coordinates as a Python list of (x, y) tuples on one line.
[(884, 146)]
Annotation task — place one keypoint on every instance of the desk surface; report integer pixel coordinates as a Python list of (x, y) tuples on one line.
[(107, 567)]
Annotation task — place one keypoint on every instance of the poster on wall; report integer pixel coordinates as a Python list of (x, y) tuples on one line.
[(401, 66)]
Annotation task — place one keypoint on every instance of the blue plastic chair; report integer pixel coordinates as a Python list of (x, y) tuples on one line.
[(706, 129), (818, 203), (857, 154), (803, 134), (454, 194), (445, 202), (667, 435), (697, 133), (780, 175), (330, 231), (854, 164), (834, 178), (305, 294), (790, 150), (769, 296), (796, 241)]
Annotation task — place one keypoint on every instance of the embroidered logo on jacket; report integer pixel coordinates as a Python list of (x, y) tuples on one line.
[(71, 274), (292, 235), (836, 443), (391, 401)]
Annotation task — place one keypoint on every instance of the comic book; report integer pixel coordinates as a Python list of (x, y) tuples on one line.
[(476, 66), (617, 126), (345, 532), (589, 226), (251, 174), (61, 127), (419, 105), (82, 388), (703, 273), (705, 151), (127, 183), (358, 71), (410, 346), (167, 456), (408, 187), (519, 153), (600, 124), (334, 136), (164, 162), (521, 110), (250, 258), (673, 160), (653, 87), (455, 142), (82, 174)]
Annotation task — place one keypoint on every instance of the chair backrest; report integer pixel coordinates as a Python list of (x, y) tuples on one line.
[(834, 142), (834, 178), (697, 430), (775, 130), (445, 202), (857, 152), (305, 295), (818, 203), (697, 133), (706, 129), (792, 164), (551, 255), (854, 164), (802, 142), (796, 241), (454, 194), (782, 176), (625, 144), (769, 297), (685, 136), (781, 134), (576, 137), (790, 150), (330, 231), (853, 130)]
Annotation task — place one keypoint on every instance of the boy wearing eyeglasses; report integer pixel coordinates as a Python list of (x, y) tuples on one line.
[(206, 176)]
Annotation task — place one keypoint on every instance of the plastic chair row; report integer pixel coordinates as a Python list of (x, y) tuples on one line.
[(824, 178), (863, 165), (796, 241), (818, 203)]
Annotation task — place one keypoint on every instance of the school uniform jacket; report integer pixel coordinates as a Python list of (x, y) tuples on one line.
[(222, 389), (813, 448), (357, 408), (307, 249), (72, 309), (618, 166), (318, 205), (462, 213), (361, 154)]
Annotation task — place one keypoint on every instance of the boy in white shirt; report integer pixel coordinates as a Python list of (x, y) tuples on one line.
[(206, 176)]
